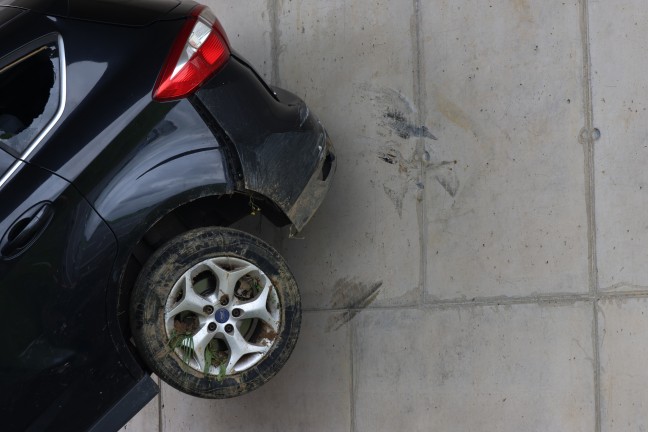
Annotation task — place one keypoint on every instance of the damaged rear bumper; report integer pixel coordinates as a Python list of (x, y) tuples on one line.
[(277, 147), (316, 189)]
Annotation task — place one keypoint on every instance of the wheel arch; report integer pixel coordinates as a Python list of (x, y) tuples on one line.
[(167, 222)]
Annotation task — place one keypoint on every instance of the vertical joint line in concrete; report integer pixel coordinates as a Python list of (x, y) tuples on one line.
[(588, 150), (419, 102), (352, 406), (587, 140), (275, 42), (160, 406), (597, 368), (417, 64)]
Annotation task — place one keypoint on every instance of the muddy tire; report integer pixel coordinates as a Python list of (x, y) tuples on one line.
[(215, 312)]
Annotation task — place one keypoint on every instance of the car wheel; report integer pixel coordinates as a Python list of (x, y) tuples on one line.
[(215, 312)]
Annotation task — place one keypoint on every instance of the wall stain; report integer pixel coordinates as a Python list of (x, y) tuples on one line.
[(354, 295), (405, 129), (392, 156), (389, 97), (449, 182), (396, 113), (392, 112), (523, 9), (388, 157), (396, 197), (444, 174), (453, 113)]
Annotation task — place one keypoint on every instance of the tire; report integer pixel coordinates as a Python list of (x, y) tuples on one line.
[(221, 295)]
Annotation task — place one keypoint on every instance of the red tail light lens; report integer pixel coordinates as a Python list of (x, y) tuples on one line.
[(201, 49)]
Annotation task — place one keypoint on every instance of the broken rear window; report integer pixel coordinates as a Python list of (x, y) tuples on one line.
[(29, 97)]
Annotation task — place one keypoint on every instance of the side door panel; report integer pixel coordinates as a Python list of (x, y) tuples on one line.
[(56, 359), (59, 369)]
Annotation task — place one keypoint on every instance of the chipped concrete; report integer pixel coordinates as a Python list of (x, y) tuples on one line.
[(479, 263)]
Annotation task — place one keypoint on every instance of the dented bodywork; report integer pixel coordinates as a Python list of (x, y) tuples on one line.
[(287, 156)]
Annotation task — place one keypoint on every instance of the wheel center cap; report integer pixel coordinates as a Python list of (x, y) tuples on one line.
[(222, 315)]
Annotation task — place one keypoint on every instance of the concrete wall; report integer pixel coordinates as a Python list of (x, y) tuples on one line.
[(480, 262)]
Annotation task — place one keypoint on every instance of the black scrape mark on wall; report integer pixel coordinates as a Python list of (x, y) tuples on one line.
[(449, 181), (353, 295), (390, 158), (443, 171), (393, 157), (404, 128), (396, 198)]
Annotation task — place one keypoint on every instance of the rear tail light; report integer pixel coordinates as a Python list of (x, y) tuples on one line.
[(200, 50)]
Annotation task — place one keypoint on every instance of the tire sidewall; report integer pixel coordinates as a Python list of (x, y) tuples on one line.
[(165, 268)]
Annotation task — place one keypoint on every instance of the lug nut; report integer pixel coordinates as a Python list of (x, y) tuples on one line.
[(211, 327), (229, 328), (208, 310), (224, 300), (236, 313)]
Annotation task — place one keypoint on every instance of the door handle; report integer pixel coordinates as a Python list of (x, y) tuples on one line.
[(31, 224)]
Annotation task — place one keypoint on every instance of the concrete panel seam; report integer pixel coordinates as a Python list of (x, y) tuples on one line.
[(596, 366), (419, 102), (498, 301), (587, 141), (625, 285), (352, 406), (160, 407), (275, 7)]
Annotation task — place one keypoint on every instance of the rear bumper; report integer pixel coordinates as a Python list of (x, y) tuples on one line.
[(277, 146), (316, 189)]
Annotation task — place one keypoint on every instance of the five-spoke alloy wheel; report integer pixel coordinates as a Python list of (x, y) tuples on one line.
[(215, 312)]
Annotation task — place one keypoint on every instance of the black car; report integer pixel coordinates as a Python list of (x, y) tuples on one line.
[(131, 137)]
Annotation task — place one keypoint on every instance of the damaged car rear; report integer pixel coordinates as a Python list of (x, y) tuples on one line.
[(131, 138)]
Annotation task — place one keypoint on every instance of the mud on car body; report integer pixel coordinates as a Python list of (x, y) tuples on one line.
[(131, 137)]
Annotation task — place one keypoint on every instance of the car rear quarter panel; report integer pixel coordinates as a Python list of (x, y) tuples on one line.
[(278, 143), (131, 157), (111, 71), (176, 160)]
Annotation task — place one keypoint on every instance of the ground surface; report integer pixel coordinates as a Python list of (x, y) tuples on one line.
[(480, 262)]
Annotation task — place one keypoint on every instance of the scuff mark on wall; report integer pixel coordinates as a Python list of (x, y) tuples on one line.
[(444, 174), (354, 295), (396, 113), (389, 97), (393, 115), (392, 156), (449, 182), (404, 128), (396, 197), (389, 157)]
